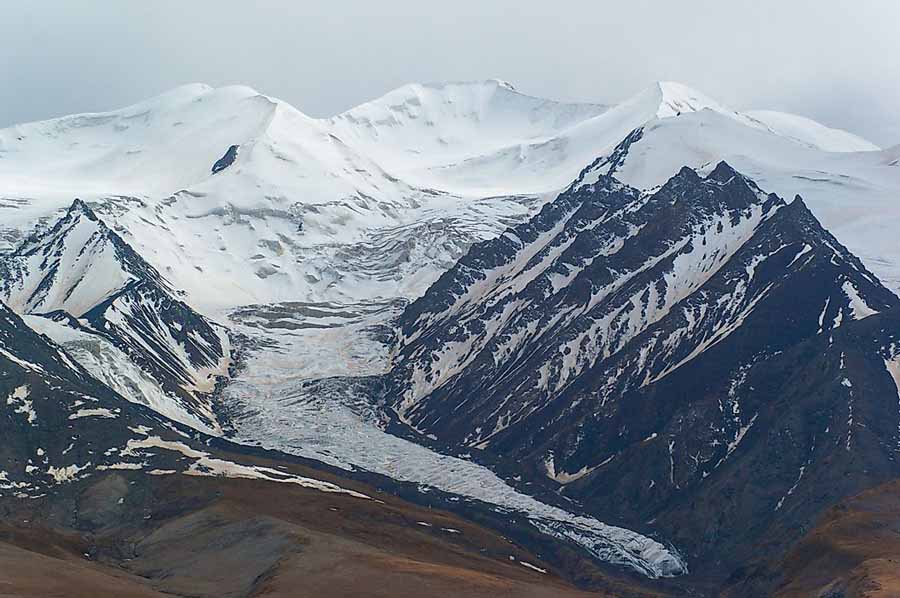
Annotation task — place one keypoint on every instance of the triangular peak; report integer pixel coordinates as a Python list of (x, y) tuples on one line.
[(80, 207), (722, 173)]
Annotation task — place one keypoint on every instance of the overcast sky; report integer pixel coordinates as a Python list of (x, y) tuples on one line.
[(837, 61)]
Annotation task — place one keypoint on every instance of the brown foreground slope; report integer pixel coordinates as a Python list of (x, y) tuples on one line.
[(853, 551), (126, 533)]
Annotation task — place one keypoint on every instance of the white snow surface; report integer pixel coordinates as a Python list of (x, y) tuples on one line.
[(812, 133), (21, 404), (87, 272), (853, 194), (390, 193), (206, 465)]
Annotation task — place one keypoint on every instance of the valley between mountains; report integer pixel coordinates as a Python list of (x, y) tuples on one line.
[(457, 336)]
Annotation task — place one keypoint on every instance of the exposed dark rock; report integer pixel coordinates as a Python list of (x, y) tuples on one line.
[(226, 160), (705, 360)]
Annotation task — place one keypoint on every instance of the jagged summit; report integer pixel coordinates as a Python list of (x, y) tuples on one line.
[(79, 207), (80, 273), (723, 172), (73, 266)]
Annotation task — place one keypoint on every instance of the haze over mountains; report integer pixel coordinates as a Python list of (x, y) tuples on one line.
[(636, 328)]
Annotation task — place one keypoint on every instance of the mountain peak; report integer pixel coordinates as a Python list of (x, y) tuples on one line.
[(687, 173), (81, 268), (676, 99), (469, 96), (723, 172), (646, 330), (79, 207)]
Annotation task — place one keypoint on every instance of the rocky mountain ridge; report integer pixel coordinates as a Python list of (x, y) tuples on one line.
[(616, 346)]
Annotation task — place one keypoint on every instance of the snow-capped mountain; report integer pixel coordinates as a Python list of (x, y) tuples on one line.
[(297, 213), (625, 352), (853, 194), (606, 345), (378, 201), (458, 137), (94, 292)]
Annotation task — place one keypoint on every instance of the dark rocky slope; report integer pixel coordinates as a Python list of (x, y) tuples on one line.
[(704, 360)]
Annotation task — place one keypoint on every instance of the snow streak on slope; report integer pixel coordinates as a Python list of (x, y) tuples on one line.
[(593, 270), (112, 366), (638, 352), (852, 193), (73, 267)]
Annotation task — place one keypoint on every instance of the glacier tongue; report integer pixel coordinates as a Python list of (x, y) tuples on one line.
[(282, 403)]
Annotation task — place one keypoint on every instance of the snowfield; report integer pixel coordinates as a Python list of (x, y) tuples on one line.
[(377, 201)]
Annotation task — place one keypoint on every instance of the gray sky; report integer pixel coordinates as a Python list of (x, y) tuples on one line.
[(837, 61)]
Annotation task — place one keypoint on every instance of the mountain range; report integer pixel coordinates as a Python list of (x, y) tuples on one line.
[(651, 344)]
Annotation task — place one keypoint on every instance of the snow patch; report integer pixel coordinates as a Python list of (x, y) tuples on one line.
[(97, 412), (19, 400)]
